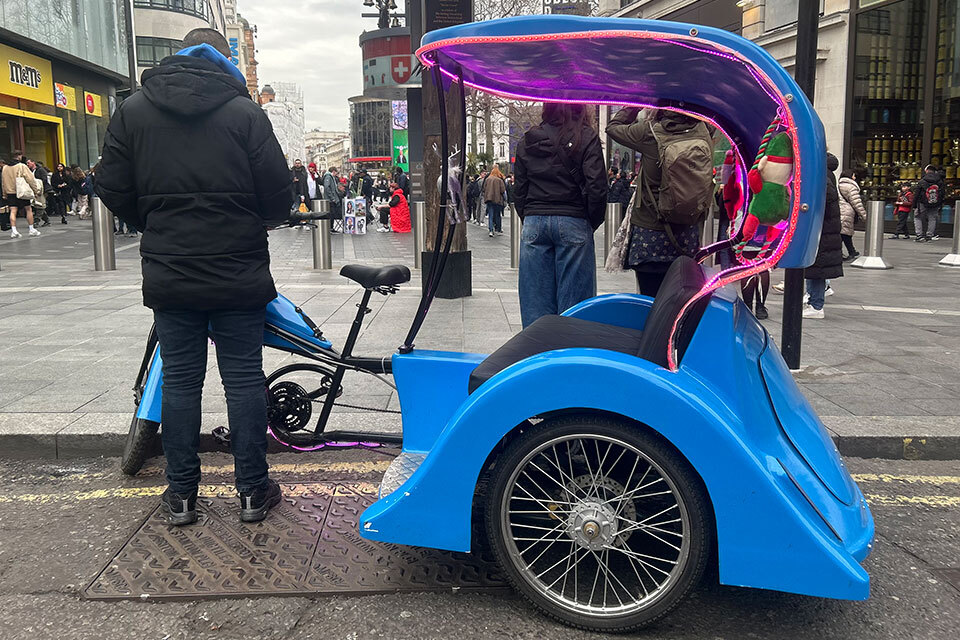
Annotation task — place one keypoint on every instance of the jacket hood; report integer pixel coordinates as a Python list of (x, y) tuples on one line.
[(189, 86), (832, 162), (675, 122), (849, 181)]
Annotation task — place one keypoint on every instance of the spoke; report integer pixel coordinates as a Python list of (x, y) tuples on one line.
[(593, 477), (641, 557), (532, 499), (566, 572), (613, 466), (619, 542), (602, 460), (669, 544), (623, 498), (530, 478), (629, 494), (541, 539), (539, 512), (548, 569), (533, 526), (606, 579), (563, 474), (556, 463), (655, 527), (554, 480), (594, 588)]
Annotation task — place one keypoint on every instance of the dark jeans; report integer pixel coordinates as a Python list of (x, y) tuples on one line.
[(848, 243), (494, 217), (902, 218), (558, 265), (238, 336)]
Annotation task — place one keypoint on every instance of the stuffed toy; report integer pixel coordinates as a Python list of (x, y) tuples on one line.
[(732, 194), (769, 180)]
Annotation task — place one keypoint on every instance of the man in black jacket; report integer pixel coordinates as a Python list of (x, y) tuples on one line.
[(192, 162), (298, 176), (927, 202)]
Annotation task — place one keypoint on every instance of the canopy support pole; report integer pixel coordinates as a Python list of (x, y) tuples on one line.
[(805, 72)]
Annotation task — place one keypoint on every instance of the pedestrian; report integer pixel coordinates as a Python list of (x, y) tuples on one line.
[(366, 190), (851, 208), (560, 195), (298, 176), (658, 236), (60, 180), (331, 193), (473, 194), (829, 262), (495, 198), (41, 202), (928, 197), (206, 264), (403, 180), (619, 189), (902, 208), (314, 181), (19, 186), (80, 201)]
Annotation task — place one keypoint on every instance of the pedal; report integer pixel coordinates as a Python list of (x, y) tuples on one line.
[(222, 435)]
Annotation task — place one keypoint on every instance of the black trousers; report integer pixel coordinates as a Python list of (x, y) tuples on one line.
[(648, 283), (848, 243), (902, 218)]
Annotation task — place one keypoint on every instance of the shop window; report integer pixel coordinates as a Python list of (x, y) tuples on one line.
[(945, 143), (196, 8), (150, 51), (886, 144)]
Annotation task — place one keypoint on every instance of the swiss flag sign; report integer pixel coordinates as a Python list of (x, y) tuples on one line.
[(400, 69)]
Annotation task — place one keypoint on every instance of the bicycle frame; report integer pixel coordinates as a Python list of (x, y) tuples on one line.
[(288, 328)]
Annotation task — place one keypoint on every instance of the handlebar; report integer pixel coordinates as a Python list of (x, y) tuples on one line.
[(296, 217)]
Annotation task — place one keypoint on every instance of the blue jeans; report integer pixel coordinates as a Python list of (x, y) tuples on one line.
[(494, 215), (238, 336), (815, 289), (558, 265)]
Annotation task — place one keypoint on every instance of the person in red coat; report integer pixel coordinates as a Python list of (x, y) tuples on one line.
[(398, 211)]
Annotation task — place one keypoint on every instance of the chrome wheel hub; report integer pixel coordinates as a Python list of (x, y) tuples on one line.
[(592, 525)]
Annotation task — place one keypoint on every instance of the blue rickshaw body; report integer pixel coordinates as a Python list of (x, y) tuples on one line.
[(788, 515)]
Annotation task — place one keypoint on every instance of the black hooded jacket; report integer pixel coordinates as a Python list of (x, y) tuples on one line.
[(829, 262), (545, 187), (929, 179), (192, 162)]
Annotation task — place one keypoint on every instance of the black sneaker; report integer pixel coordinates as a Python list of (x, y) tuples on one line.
[(762, 313), (181, 508), (255, 504), (918, 239)]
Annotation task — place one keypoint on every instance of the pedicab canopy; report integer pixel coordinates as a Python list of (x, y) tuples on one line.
[(709, 73)]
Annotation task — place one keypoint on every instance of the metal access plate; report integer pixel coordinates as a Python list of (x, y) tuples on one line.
[(309, 544)]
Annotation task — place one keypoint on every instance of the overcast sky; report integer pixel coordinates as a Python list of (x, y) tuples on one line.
[(314, 43)]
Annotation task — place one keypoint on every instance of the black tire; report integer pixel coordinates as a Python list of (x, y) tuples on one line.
[(686, 491), (142, 433)]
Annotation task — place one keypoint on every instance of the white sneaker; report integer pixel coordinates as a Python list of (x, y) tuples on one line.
[(806, 298), (34, 233), (828, 291), (14, 233), (810, 312), (778, 287)]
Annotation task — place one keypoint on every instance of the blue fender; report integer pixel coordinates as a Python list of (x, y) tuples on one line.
[(778, 525), (150, 401)]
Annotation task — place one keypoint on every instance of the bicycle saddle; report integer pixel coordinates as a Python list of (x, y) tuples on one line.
[(370, 277)]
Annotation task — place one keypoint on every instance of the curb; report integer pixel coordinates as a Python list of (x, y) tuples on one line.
[(65, 446)]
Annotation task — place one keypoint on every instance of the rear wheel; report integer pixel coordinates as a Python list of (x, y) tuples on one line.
[(599, 524), (142, 433)]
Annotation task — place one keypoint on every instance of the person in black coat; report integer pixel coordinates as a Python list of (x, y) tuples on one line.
[(829, 262), (301, 191), (560, 195), (192, 162)]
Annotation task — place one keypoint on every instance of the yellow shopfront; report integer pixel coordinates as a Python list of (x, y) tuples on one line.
[(28, 120)]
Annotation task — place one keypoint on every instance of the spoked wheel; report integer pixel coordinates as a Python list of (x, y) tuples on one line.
[(291, 392), (142, 432), (600, 525)]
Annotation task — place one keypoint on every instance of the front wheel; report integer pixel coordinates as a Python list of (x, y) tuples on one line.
[(598, 523), (142, 432)]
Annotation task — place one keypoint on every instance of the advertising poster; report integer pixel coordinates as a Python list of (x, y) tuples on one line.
[(401, 149), (355, 216)]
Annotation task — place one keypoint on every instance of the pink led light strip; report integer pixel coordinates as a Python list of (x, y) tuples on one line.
[(759, 76)]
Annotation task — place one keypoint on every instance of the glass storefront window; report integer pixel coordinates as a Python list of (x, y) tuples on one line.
[(150, 51), (196, 8), (89, 29), (886, 145), (945, 143)]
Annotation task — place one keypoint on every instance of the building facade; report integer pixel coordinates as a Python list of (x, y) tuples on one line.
[(61, 77), (371, 132), (161, 24), (240, 37), (316, 142), (283, 104), (498, 144)]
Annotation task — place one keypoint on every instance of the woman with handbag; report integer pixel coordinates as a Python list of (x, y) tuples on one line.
[(560, 194), (19, 187)]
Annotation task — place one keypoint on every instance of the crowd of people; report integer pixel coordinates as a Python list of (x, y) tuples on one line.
[(388, 195), (34, 192)]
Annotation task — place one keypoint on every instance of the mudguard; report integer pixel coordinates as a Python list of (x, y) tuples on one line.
[(779, 526)]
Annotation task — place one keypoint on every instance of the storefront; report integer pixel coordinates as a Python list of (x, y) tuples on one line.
[(904, 103)]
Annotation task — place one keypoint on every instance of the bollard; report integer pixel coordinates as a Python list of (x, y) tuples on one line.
[(952, 259), (104, 250), (872, 257), (322, 255), (419, 232), (610, 225), (514, 237)]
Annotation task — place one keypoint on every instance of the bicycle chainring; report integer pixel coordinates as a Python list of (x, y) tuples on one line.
[(288, 407)]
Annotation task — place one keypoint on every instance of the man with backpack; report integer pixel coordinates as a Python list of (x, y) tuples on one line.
[(927, 201), (676, 186)]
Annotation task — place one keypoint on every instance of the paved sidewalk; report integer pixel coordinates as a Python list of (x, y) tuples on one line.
[(883, 369)]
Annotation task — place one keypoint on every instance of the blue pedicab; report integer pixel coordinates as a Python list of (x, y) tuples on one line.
[(604, 454)]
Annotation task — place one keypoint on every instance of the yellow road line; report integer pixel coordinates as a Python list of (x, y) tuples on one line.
[(371, 466), (886, 477), (928, 501), (206, 490)]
